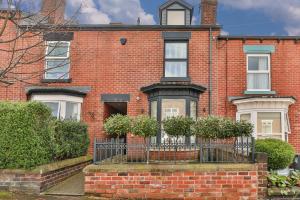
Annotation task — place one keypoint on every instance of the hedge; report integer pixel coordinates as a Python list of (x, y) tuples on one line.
[(25, 135), (29, 136), (280, 154), (71, 139)]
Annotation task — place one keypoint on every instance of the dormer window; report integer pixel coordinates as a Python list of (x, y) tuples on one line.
[(175, 17), (176, 12)]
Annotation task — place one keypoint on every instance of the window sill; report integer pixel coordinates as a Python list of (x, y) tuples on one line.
[(175, 79), (260, 92), (56, 80)]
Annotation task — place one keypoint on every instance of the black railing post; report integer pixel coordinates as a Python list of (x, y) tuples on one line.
[(253, 148), (95, 150), (148, 149)]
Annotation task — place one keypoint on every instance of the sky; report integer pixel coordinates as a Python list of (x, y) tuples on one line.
[(238, 17)]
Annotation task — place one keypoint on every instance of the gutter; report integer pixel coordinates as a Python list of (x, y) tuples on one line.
[(210, 73), (222, 37)]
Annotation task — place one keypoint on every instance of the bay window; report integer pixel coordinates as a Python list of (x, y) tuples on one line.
[(258, 72), (269, 116), (57, 60), (164, 107), (63, 107), (176, 59)]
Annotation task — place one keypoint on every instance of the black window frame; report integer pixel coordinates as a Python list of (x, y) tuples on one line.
[(179, 78)]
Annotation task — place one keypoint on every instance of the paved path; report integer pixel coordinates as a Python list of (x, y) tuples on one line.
[(73, 186)]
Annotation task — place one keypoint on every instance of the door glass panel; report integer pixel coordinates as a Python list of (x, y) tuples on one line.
[(172, 108)]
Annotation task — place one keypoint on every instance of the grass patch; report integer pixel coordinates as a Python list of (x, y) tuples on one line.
[(5, 195)]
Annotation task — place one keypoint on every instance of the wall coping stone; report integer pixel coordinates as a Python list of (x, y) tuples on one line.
[(49, 167), (169, 167)]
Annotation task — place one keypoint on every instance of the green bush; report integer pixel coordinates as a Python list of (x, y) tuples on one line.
[(144, 126), (178, 126), (280, 154), (71, 139), (117, 125), (25, 135), (221, 128)]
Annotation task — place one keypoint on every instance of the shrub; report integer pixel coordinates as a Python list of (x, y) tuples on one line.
[(221, 128), (25, 135), (71, 139), (117, 125), (144, 126), (178, 126), (280, 154)]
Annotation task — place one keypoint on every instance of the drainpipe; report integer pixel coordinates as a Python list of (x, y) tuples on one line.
[(210, 72)]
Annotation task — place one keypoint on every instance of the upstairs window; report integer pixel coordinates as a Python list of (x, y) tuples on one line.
[(258, 72), (57, 60), (175, 17), (176, 59)]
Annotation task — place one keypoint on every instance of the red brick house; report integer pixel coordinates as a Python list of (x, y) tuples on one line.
[(174, 68)]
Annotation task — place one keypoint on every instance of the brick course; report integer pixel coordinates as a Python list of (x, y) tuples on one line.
[(214, 182), (35, 182)]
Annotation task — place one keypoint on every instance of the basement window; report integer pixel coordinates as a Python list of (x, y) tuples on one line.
[(57, 60)]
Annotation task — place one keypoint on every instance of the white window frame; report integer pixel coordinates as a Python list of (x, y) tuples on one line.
[(62, 100), (259, 72), (254, 112), (53, 58)]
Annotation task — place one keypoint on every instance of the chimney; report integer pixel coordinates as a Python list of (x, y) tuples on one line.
[(209, 12), (54, 11)]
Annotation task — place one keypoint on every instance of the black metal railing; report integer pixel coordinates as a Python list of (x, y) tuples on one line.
[(237, 150)]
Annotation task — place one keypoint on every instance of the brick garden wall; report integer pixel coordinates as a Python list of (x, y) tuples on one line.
[(187, 181), (40, 179)]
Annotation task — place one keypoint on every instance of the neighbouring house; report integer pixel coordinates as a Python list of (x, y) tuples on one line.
[(170, 69)]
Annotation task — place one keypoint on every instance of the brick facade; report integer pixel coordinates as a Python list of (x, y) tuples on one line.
[(178, 181), (101, 62)]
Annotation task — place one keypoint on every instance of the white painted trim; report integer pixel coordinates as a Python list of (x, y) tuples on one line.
[(49, 97)]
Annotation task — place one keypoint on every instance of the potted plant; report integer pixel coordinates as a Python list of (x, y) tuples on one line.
[(117, 125), (144, 126), (178, 126)]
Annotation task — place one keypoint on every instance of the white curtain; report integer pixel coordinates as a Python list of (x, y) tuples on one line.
[(175, 69), (258, 81)]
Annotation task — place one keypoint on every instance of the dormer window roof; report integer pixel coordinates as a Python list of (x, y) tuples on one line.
[(176, 12)]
